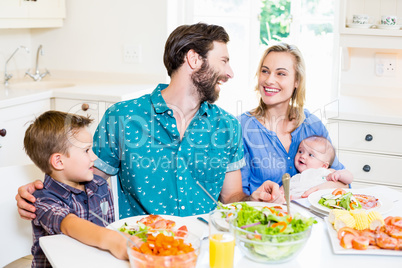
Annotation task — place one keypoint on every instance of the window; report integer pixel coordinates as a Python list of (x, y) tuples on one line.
[(305, 23), (309, 25)]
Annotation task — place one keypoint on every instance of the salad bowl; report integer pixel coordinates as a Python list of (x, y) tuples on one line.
[(268, 234), (271, 248)]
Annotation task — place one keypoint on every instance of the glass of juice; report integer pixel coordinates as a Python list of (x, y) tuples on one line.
[(221, 238)]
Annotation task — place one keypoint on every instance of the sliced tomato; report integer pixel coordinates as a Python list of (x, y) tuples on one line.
[(347, 230), (339, 191), (180, 232), (360, 243)]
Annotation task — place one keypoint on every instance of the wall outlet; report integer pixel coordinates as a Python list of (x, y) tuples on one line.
[(132, 54), (385, 64)]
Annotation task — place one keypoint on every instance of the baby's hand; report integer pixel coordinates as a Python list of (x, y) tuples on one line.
[(334, 176)]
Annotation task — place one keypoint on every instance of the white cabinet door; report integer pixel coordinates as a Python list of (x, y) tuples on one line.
[(15, 233), (46, 8), (32, 14), (15, 120), (12, 9)]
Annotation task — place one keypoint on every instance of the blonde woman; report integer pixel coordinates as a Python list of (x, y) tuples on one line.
[(273, 131)]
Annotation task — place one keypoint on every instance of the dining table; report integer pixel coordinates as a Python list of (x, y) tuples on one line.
[(321, 250)]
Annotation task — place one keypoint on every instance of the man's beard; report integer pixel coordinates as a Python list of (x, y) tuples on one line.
[(205, 80)]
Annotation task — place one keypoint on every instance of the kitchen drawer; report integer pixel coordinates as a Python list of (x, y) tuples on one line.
[(367, 137), (373, 168)]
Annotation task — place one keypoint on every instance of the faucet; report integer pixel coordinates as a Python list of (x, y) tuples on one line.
[(8, 76), (37, 76)]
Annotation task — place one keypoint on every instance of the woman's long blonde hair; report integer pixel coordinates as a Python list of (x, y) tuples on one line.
[(296, 104)]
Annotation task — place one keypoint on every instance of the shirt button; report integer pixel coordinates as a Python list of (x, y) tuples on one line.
[(288, 157), (183, 207), (290, 168), (85, 201), (180, 178), (169, 112), (173, 125)]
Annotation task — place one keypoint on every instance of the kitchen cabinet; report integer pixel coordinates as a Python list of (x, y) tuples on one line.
[(363, 37), (15, 233), (32, 14), (14, 120), (366, 128), (93, 109), (371, 151)]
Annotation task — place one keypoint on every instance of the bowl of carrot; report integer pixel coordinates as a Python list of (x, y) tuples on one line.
[(162, 248)]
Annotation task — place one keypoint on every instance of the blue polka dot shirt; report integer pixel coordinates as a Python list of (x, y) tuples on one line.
[(138, 141)]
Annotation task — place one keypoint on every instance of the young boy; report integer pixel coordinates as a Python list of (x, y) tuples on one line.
[(313, 160), (60, 144)]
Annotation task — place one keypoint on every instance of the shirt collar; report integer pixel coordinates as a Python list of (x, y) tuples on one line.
[(65, 190), (157, 100), (160, 105)]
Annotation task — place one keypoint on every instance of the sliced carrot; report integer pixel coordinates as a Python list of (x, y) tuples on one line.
[(281, 223), (163, 245)]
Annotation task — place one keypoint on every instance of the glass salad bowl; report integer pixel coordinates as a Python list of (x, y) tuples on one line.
[(268, 234), (271, 248)]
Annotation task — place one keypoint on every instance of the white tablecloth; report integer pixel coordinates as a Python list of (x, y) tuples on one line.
[(63, 251)]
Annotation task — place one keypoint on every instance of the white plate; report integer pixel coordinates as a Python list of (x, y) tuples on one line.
[(388, 27), (333, 235), (356, 25), (385, 204), (194, 226)]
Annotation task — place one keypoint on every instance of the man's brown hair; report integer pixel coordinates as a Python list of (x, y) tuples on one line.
[(49, 134), (199, 37)]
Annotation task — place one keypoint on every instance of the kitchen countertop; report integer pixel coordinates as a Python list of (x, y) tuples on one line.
[(365, 109), (109, 92)]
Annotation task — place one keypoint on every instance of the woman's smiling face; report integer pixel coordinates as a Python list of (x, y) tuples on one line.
[(277, 78)]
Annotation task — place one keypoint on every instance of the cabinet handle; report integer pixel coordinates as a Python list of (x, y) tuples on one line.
[(369, 137), (85, 106), (366, 168), (3, 132)]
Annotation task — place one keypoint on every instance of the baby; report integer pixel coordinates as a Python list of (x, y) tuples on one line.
[(313, 160)]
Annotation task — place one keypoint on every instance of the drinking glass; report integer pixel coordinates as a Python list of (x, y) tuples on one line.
[(221, 238)]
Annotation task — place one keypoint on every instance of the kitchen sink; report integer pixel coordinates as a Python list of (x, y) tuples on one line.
[(39, 85)]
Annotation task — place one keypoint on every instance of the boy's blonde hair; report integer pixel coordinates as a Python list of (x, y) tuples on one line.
[(49, 134)]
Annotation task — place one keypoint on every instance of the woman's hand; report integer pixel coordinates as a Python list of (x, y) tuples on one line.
[(268, 192), (24, 195), (325, 185)]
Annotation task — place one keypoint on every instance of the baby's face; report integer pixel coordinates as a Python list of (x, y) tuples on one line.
[(311, 154)]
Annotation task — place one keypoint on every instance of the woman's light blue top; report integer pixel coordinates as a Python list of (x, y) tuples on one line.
[(266, 158)]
